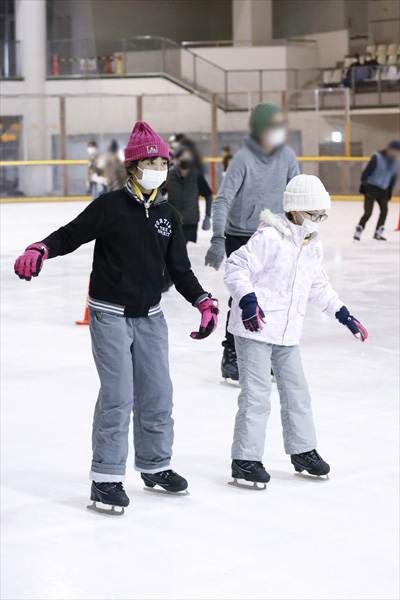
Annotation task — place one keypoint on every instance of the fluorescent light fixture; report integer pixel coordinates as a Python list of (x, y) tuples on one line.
[(336, 136)]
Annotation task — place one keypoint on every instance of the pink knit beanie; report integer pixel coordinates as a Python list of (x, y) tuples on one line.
[(145, 143)]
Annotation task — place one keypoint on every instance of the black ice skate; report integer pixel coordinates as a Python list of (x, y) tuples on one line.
[(358, 232), (379, 234), (252, 471), (111, 494), (169, 481), (311, 462), (229, 366)]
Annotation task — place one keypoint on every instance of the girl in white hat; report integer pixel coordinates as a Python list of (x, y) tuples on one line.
[(271, 279)]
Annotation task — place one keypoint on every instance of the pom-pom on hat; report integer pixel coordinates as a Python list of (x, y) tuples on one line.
[(145, 143), (306, 192)]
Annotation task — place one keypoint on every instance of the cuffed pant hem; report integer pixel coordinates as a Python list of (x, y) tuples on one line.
[(301, 449), (105, 477), (153, 470), (250, 457)]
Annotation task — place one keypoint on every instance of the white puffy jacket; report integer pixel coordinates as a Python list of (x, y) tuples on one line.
[(284, 274)]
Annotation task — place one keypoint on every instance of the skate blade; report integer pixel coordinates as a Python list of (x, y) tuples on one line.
[(106, 511), (314, 477), (256, 485), (165, 492)]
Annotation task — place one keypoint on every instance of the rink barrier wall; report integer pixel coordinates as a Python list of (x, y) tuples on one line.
[(208, 159), (24, 199)]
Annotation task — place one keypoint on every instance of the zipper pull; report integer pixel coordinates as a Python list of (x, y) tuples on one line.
[(146, 208)]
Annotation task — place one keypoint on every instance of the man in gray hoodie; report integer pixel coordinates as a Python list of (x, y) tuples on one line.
[(255, 180)]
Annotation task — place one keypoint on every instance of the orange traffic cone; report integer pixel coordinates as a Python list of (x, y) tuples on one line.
[(109, 69), (120, 65), (56, 68), (398, 226), (86, 317)]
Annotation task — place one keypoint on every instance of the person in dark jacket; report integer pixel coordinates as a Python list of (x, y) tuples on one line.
[(185, 184), (138, 235), (377, 183), (115, 170)]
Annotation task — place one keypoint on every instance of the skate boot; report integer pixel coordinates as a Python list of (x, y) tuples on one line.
[(229, 366), (169, 481), (311, 462), (379, 234), (358, 232), (111, 494), (252, 471)]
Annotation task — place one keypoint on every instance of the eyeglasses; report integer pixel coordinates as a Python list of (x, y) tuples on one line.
[(317, 218)]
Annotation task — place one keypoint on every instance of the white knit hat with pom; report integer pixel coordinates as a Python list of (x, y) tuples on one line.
[(306, 192)]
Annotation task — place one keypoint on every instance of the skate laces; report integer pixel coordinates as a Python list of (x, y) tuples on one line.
[(257, 464), (311, 456), (117, 486), (166, 474)]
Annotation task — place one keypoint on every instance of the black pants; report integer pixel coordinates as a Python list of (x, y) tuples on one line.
[(232, 243), (373, 193)]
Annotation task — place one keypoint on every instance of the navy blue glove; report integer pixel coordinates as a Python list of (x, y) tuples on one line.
[(343, 316), (252, 315)]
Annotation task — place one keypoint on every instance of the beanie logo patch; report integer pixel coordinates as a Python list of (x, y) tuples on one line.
[(153, 149)]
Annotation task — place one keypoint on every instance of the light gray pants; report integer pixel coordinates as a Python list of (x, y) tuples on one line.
[(254, 361), (131, 357)]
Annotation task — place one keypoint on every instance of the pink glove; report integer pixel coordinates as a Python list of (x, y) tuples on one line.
[(30, 263), (209, 318)]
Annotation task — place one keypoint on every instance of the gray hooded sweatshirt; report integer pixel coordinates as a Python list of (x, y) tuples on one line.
[(253, 182)]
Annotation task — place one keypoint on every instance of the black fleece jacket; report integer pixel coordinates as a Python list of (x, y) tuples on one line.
[(133, 248)]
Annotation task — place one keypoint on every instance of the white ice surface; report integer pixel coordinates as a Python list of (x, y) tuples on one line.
[(300, 539)]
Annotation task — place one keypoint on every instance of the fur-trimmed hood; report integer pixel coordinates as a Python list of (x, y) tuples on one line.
[(270, 219)]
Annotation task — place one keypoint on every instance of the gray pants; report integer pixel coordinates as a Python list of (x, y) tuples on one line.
[(131, 357), (254, 361)]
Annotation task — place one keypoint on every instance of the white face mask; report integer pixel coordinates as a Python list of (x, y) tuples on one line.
[(310, 226), (152, 179), (91, 151), (276, 137)]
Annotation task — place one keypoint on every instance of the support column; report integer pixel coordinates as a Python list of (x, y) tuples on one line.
[(252, 22), (31, 30)]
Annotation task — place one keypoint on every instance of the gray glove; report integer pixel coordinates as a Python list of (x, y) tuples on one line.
[(206, 223), (216, 253)]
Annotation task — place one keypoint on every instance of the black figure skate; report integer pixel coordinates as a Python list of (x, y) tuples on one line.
[(252, 471), (110, 494), (311, 462), (169, 481), (229, 366)]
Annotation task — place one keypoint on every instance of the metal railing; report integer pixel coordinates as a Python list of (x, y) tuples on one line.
[(158, 56), (10, 59)]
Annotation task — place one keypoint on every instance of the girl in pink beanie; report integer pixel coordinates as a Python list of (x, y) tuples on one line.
[(138, 235)]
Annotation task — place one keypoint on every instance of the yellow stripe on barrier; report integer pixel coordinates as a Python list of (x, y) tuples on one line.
[(23, 163), (358, 198), (207, 159), (23, 199)]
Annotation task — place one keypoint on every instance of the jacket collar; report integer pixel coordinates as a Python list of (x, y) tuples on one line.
[(130, 190), (282, 224)]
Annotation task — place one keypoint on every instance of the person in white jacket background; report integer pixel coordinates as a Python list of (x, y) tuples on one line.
[(271, 279)]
